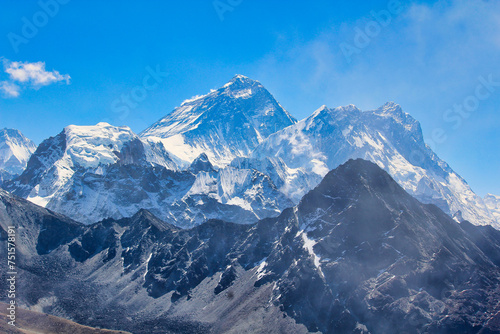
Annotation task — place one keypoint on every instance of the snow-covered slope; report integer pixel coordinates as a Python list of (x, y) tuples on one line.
[(387, 136), (225, 123), (179, 197), (15, 150), (493, 204), (293, 182)]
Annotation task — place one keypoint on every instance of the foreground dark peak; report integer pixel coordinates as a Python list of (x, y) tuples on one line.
[(357, 255), (360, 180), (358, 173)]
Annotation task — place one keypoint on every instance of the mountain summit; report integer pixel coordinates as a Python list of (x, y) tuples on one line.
[(226, 123)]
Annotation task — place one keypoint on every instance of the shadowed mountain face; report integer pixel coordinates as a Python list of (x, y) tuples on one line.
[(356, 255)]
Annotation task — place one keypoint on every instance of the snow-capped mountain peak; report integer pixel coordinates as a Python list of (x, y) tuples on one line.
[(325, 114), (91, 146), (391, 108), (82, 149), (395, 112), (320, 111), (226, 123), (493, 204), (239, 81), (492, 197), (101, 171), (15, 151)]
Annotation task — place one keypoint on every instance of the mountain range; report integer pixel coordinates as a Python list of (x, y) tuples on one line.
[(94, 172), (357, 254), (234, 154), (230, 216)]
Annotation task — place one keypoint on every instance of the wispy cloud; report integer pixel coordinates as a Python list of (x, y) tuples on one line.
[(430, 52), (25, 75)]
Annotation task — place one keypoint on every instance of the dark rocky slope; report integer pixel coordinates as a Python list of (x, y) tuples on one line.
[(356, 255)]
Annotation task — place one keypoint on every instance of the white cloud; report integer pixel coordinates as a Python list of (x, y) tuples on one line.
[(34, 73), (25, 75)]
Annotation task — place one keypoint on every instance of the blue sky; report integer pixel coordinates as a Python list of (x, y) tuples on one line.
[(432, 57)]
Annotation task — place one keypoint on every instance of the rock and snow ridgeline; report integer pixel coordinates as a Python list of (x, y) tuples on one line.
[(233, 154)]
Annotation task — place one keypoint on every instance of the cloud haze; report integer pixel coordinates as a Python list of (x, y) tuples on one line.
[(424, 52)]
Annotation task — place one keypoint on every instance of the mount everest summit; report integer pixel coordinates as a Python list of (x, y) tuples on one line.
[(224, 124), (234, 154)]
